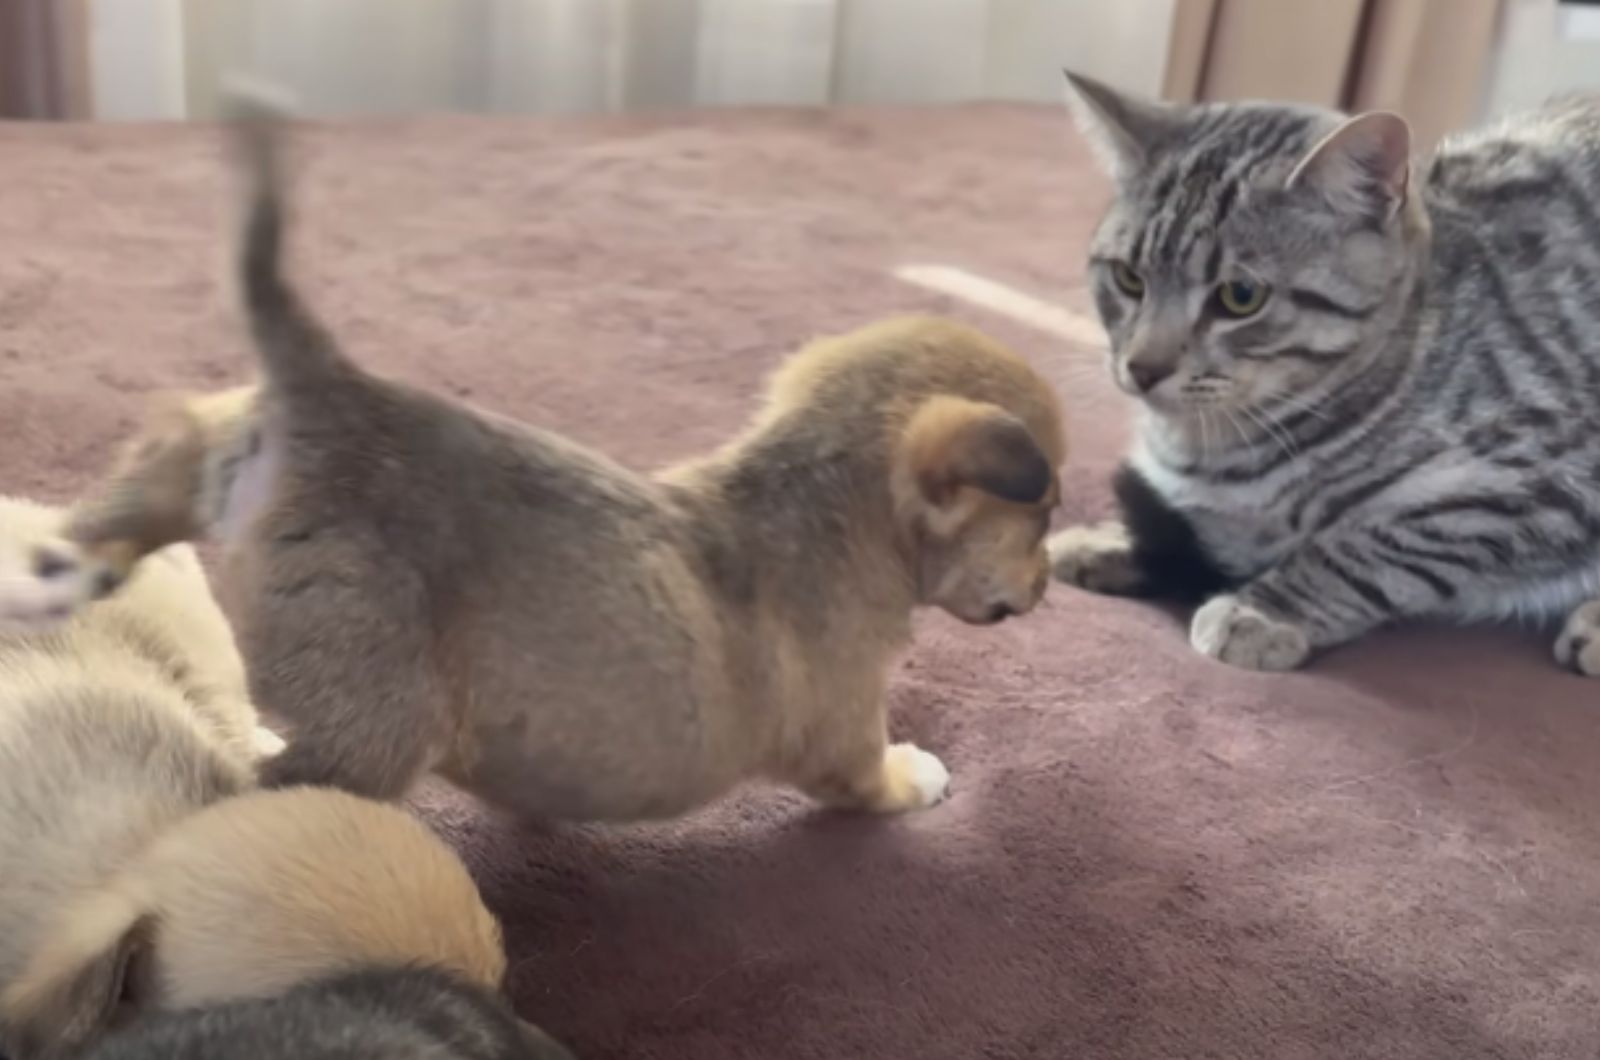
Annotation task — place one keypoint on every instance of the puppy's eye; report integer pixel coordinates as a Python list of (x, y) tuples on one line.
[(1242, 298), (1128, 282)]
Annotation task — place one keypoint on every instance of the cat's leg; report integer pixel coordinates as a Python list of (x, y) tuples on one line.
[(1153, 551), (1578, 646), (1331, 590), (1098, 558)]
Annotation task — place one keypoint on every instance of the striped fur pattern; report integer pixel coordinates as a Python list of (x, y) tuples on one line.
[(1403, 423)]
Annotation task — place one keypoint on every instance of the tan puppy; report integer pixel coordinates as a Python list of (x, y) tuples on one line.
[(248, 898), (425, 587)]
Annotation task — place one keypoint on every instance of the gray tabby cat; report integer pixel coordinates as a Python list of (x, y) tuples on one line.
[(1366, 394)]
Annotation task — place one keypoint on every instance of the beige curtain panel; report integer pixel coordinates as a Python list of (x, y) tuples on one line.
[(1426, 59), (1423, 58)]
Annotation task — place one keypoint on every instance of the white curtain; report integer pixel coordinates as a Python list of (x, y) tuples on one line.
[(166, 58), (1544, 48)]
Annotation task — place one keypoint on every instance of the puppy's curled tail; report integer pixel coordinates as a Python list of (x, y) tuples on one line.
[(295, 350)]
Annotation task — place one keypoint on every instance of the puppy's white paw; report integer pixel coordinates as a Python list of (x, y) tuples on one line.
[(1232, 631), (53, 581), (921, 776), (1097, 558), (265, 743), (1578, 646)]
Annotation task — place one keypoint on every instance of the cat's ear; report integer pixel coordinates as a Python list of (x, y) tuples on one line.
[(1364, 165), (1122, 130)]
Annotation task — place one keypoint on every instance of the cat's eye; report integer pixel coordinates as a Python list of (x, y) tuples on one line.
[(1242, 298), (1128, 282)]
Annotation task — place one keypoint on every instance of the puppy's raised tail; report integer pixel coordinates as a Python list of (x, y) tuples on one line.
[(296, 351)]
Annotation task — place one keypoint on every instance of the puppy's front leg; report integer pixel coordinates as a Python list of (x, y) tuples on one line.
[(877, 776)]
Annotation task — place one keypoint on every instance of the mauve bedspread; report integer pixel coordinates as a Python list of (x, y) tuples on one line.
[(1394, 854)]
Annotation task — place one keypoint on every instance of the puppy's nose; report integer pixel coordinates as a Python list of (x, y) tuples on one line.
[(1147, 375), (1000, 612)]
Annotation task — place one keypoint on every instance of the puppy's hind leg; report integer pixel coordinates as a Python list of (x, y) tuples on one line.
[(869, 773), (345, 653)]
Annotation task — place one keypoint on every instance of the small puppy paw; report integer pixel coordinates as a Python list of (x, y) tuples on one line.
[(1097, 558), (916, 778), (264, 743), (54, 581), (1229, 630), (1578, 646)]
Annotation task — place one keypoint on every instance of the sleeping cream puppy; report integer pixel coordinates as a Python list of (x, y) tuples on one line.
[(113, 726), (396, 1014), (138, 869), (246, 898), (424, 587)]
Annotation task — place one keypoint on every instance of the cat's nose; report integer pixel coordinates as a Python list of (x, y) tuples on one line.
[(1147, 375)]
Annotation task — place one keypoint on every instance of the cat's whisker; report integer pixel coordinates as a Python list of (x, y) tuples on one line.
[(1285, 432), (1282, 441), (1297, 404), (1244, 435)]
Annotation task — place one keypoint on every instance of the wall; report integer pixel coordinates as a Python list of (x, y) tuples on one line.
[(1542, 51)]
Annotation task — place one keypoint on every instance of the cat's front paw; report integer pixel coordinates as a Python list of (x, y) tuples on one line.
[(1578, 646), (1230, 630), (1097, 558)]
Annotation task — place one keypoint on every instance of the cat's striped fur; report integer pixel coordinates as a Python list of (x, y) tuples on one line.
[(1408, 426)]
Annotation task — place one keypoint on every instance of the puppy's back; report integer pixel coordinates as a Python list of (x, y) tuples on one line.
[(399, 1014)]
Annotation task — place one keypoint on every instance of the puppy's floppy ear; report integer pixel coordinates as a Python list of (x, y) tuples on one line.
[(86, 979), (952, 443)]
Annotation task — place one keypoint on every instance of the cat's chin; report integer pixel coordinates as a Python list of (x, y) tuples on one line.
[(1188, 431), (1176, 414)]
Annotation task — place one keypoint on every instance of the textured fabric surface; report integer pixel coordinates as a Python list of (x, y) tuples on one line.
[(1395, 854)]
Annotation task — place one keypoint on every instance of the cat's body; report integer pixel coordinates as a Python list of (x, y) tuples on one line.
[(1405, 424)]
